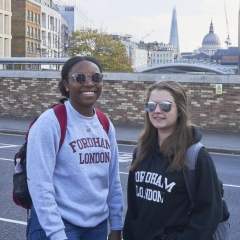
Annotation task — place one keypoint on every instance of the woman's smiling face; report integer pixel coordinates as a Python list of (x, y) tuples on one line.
[(83, 96), (163, 121)]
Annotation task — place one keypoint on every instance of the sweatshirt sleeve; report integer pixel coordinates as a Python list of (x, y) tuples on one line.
[(207, 212), (115, 196), (42, 149), (132, 212)]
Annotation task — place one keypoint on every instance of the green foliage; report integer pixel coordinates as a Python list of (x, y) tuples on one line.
[(110, 53)]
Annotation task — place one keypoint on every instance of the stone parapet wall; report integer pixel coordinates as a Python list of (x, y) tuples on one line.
[(28, 93)]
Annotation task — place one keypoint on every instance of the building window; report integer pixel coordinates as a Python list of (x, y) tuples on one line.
[(28, 46), (6, 24), (28, 15), (39, 49), (28, 31), (39, 19), (31, 16), (31, 50)]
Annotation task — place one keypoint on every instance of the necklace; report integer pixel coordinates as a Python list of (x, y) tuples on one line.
[(88, 128)]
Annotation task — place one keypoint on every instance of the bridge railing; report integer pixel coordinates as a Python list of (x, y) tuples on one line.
[(211, 65)]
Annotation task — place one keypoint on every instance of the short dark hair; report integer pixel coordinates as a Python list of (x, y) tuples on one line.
[(67, 67)]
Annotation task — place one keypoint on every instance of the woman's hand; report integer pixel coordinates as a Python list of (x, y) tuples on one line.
[(115, 235)]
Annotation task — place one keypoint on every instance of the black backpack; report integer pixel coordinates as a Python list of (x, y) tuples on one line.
[(223, 228)]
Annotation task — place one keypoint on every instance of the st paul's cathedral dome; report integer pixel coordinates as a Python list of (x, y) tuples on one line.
[(211, 42)]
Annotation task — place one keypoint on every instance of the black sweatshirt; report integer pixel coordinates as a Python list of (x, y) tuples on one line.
[(158, 201)]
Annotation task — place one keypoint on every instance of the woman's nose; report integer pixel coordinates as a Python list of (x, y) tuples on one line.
[(158, 109), (88, 81)]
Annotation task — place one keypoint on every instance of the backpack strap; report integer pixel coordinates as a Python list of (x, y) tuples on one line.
[(189, 174), (30, 125), (103, 120), (61, 114)]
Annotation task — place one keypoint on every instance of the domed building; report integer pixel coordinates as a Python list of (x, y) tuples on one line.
[(211, 42)]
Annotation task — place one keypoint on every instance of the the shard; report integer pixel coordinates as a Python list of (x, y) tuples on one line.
[(174, 30)]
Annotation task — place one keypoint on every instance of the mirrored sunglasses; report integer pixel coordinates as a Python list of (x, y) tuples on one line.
[(81, 78), (164, 106)]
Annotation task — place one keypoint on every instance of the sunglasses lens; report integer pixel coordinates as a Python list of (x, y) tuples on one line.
[(80, 78), (151, 106), (97, 78), (165, 106)]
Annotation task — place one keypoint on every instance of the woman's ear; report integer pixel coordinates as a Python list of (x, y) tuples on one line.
[(65, 82)]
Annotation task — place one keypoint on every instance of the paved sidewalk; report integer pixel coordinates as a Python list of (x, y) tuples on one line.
[(220, 142)]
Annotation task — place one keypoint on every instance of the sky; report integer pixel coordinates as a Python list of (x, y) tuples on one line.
[(142, 17)]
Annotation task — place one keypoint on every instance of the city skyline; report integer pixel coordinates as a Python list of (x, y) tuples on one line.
[(154, 16)]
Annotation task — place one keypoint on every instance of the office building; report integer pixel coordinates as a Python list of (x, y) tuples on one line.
[(5, 28)]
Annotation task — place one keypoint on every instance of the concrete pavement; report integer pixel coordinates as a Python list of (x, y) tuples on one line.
[(219, 142)]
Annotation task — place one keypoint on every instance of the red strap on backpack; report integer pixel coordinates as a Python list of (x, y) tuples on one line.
[(103, 120), (61, 114)]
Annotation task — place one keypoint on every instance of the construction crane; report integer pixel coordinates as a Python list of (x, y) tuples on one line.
[(146, 36), (228, 41)]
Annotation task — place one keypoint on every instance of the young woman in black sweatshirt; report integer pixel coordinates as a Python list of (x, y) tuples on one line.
[(158, 200)]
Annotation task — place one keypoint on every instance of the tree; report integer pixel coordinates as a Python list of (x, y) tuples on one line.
[(56, 44), (110, 53)]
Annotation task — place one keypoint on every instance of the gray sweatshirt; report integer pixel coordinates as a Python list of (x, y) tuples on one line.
[(78, 182)]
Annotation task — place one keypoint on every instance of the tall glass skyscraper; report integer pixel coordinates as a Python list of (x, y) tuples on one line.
[(174, 30)]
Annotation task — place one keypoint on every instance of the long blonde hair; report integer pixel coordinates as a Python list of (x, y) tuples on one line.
[(175, 145)]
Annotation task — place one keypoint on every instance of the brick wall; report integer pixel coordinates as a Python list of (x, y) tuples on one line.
[(123, 97)]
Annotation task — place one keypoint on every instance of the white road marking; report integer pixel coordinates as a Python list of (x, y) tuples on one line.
[(6, 159), (229, 185), (9, 146), (225, 154), (12, 221), (125, 157)]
